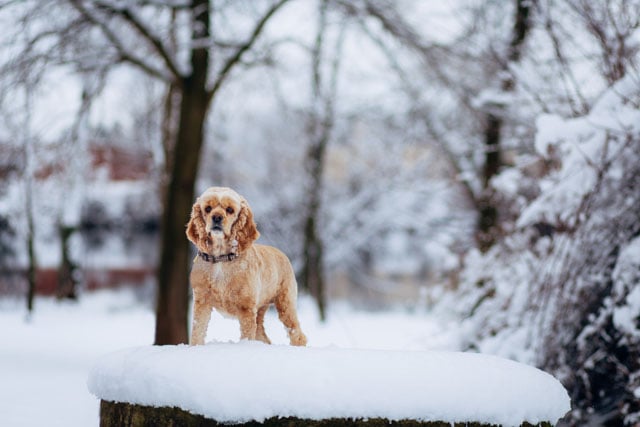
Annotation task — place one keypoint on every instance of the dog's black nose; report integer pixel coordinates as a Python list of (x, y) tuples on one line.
[(217, 219)]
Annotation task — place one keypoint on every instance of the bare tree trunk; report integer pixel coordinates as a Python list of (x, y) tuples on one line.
[(171, 319), (312, 273), (67, 280), (488, 216), (321, 123), (31, 254), (313, 267), (30, 158), (487, 206), (169, 125), (173, 271), (312, 270)]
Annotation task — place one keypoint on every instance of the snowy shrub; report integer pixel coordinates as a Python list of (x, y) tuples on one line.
[(562, 289)]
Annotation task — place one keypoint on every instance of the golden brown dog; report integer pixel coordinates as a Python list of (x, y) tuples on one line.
[(234, 275)]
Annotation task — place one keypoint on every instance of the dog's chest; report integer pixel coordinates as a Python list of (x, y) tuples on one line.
[(216, 273), (223, 298)]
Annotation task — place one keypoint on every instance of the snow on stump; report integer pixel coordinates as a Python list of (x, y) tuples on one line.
[(258, 384)]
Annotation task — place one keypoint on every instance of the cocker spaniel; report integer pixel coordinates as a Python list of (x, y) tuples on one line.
[(233, 274)]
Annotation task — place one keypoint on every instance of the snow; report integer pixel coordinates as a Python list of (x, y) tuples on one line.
[(625, 316), (507, 181), (492, 98), (549, 132), (583, 143), (45, 362), (233, 382)]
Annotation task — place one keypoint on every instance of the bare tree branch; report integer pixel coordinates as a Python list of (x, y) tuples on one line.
[(393, 23), (237, 56), (174, 5), (124, 55), (146, 33), (568, 78), (414, 93), (8, 3)]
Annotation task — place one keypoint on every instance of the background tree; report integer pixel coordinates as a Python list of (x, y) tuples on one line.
[(489, 209), (474, 72), (28, 179), (142, 35), (321, 122)]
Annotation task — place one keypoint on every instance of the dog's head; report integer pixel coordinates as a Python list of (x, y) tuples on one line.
[(221, 214)]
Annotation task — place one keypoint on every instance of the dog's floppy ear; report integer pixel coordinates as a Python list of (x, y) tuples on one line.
[(196, 231), (244, 230)]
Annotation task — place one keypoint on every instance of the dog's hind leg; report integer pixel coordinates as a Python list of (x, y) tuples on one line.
[(286, 307), (261, 335)]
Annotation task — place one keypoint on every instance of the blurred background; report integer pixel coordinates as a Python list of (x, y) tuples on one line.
[(471, 160)]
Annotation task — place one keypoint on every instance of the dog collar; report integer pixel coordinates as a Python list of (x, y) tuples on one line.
[(216, 259)]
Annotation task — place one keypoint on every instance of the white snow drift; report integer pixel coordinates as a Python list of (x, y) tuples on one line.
[(253, 381)]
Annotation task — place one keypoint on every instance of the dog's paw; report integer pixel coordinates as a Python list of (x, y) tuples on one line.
[(297, 338)]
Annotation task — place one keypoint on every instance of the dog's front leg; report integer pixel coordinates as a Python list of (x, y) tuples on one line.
[(248, 324), (201, 317)]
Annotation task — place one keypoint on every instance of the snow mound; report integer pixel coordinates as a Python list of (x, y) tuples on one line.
[(254, 381)]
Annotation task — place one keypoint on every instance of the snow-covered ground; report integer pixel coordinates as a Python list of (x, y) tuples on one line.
[(44, 362)]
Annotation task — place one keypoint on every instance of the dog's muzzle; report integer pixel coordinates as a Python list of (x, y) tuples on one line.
[(216, 224)]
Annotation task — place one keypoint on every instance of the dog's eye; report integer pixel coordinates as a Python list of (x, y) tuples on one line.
[(230, 210), (207, 209)]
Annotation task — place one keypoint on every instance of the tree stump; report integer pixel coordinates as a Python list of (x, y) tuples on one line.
[(256, 384), (113, 414)]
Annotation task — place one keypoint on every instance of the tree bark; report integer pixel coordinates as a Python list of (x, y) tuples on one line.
[(313, 250), (31, 254), (173, 270), (313, 270), (66, 272), (114, 414)]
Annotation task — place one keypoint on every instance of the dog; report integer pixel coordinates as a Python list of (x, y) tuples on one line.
[(234, 275)]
